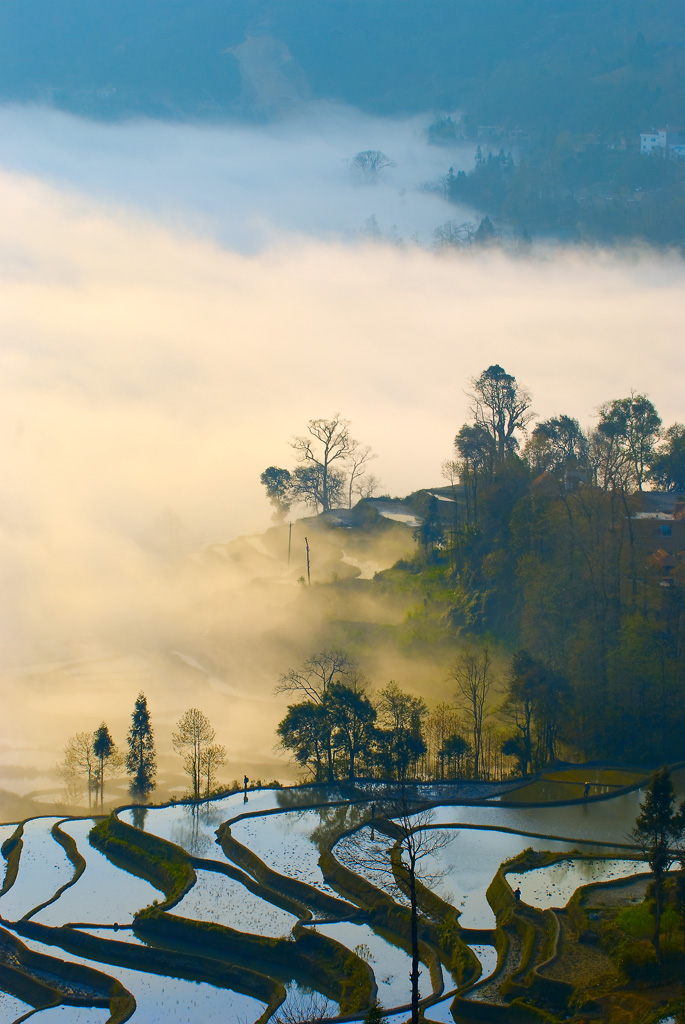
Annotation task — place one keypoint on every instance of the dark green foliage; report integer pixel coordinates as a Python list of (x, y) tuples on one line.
[(163, 864), (141, 762), (668, 465), (538, 702), (553, 189), (430, 534), (279, 489), (376, 1014), (578, 65), (658, 831), (105, 750)]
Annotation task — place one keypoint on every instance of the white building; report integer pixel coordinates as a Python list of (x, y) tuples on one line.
[(664, 141)]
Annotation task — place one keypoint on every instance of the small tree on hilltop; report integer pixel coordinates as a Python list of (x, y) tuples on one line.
[(658, 831), (141, 762)]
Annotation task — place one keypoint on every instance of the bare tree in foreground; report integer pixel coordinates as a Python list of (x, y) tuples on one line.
[(397, 868)]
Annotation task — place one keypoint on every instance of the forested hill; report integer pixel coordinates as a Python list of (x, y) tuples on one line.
[(541, 65)]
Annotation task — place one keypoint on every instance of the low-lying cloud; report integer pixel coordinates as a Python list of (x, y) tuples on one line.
[(150, 373), (246, 184)]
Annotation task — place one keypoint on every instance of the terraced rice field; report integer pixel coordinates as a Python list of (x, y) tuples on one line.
[(287, 833)]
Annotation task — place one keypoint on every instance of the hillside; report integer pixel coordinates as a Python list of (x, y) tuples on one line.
[(575, 65)]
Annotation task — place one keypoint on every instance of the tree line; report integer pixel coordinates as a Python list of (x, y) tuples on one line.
[(541, 554), (574, 189), (341, 728), (543, 547), (89, 757)]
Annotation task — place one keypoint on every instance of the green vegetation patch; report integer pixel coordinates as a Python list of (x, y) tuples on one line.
[(11, 851), (310, 957), (47, 981), (163, 864)]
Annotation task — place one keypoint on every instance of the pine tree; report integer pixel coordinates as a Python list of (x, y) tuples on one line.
[(140, 761)]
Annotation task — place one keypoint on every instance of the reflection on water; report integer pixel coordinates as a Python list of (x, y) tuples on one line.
[(467, 866), (555, 884), (161, 999), (603, 821), (43, 868), (71, 1015), (390, 965), (104, 894), (220, 899), (284, 842), (12, 1008), (289, 841), (488, 959)]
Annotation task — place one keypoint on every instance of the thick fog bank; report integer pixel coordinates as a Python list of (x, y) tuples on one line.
[(151, 373), (247, 184)]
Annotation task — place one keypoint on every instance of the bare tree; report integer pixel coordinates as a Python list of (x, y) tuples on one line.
[(195, 735), (398, 868), (326, 442), (211, 759), (367, 485), (473, 674), (317, 673), (80, 762), (502, 406), (356, 469)]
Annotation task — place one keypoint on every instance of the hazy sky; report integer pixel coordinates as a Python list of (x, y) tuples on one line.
[(152, 359)]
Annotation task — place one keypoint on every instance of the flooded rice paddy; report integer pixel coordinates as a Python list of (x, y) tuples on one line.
[(45, 867), (220, 899), (287, 833), (116, 893)]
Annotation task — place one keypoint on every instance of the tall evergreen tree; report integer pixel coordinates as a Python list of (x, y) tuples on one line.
[(141, 763), (658, 830), (106, 752)]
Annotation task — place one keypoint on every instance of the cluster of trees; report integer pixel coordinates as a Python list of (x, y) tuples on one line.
[(342, 729), (88, 757), (541, 548), (626, 449), (575, 190), (332, 470)]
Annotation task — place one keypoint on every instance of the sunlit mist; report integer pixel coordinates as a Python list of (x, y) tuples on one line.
[(150, 373)]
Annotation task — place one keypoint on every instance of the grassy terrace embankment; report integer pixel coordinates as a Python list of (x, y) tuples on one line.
[(44, 981)]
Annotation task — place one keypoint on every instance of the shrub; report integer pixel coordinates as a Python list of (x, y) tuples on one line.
[(638, 922)]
